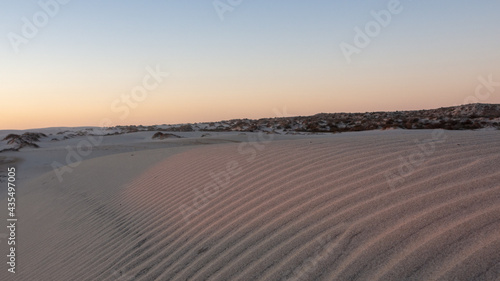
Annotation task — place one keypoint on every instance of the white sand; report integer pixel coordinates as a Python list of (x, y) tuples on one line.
[(315, 208)]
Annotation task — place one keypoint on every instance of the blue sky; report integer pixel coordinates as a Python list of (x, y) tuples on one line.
[(263, 55)]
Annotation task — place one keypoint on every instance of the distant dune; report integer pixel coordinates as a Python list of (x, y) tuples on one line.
[(460, 117), (383, 205)]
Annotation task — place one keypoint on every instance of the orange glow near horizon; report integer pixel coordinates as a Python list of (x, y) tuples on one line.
[(177, 100), (162, 107)]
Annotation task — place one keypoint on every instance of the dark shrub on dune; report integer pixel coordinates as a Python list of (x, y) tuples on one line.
[(11, 136), (160, 135)]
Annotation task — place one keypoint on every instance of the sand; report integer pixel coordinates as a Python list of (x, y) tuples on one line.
[(353, 206)]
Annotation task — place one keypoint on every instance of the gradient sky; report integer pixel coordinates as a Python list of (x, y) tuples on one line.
[(264, 55)]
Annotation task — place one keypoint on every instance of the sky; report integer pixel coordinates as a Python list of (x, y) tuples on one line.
[(77, 63)]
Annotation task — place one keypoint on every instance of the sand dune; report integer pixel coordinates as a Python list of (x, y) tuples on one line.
[(306, 209)]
